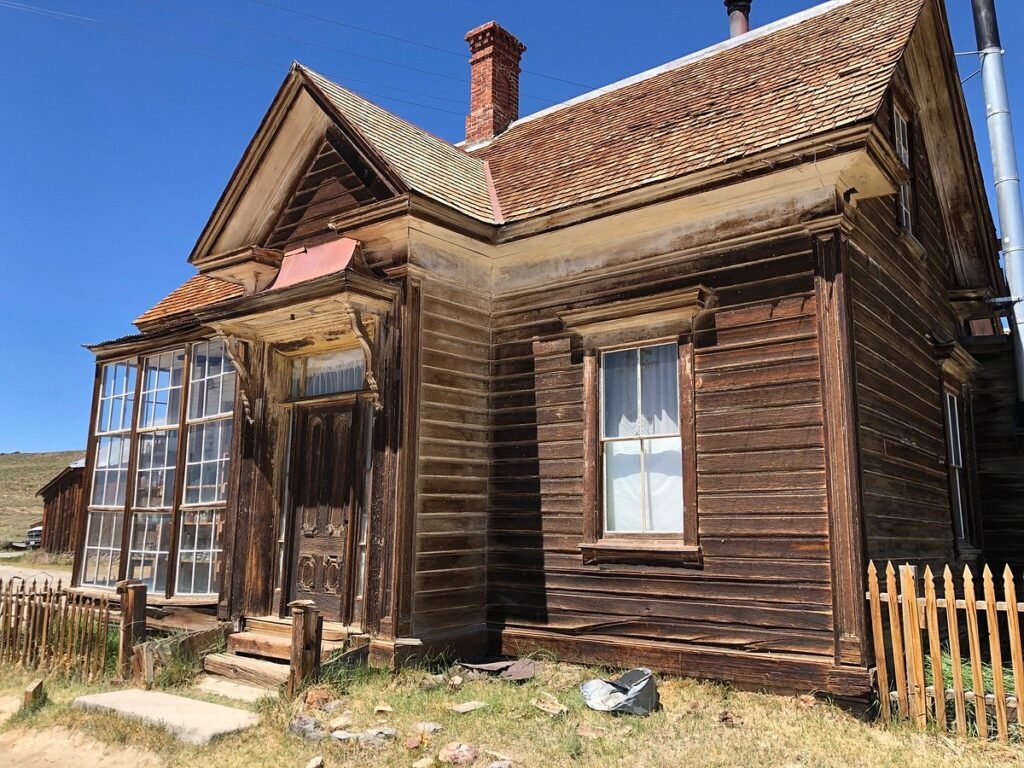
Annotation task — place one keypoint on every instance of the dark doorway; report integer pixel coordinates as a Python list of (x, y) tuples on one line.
[(323, 496)]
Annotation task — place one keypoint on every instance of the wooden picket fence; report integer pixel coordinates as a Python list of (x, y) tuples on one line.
[(921, 652), (46, 628)]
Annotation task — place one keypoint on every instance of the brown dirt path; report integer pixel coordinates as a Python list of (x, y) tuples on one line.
[(58, 747)]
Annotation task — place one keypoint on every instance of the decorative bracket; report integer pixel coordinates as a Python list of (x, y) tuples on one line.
[(235, 349), (363, 337)]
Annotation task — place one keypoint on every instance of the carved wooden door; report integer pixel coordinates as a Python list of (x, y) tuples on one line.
[(323, 495)]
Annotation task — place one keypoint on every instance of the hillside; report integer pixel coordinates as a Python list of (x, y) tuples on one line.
[(21, 475)]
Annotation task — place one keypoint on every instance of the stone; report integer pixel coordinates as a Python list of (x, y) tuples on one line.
[(458, 753), (468, 706), (382, 732), (414, 742), (344, 735), (501, 764), (333, 706), (425, 762), (307, 727), (371, 741), (427, 727), (316, 762), (342, 721), (432, 682), (551, 705), (455, 682), (318, 698), (382, 709), (189, 720)]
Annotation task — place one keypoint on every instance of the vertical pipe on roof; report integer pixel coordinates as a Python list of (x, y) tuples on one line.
[(1004, 162), (739, 17)]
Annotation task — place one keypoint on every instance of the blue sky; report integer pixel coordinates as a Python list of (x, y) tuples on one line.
[(120, 128)]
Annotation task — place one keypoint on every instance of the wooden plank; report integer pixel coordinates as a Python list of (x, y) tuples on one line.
[(996, 655), (914, 649), (1016, 652), (265, 674), (953, 633), (878, 637), (935, 647), (977, 677), (896, 635)]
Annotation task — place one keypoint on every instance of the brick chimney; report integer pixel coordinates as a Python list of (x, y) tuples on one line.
[(494, 81)]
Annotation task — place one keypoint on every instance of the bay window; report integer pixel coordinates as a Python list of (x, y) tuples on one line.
[(148, 487)]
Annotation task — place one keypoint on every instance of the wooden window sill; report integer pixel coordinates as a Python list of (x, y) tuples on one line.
[(641, 552), (912, 244)]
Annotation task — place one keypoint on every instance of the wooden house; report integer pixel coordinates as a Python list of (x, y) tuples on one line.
[(644, 378), (62, 508)]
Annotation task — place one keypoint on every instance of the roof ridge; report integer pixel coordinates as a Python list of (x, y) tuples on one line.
[(725, 45)]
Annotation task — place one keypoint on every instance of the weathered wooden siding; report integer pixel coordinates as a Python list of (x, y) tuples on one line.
[(764, 584), (451, 502), (1000, 464), (62, 507), (900, 305)]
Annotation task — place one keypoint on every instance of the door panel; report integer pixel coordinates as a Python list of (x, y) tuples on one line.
[(323, 498)]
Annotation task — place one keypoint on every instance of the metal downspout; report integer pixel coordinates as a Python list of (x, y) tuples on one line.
[(1004, 162)]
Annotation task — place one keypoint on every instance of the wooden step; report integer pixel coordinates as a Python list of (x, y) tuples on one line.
[(258, 672), (333, 631), (273, 645)]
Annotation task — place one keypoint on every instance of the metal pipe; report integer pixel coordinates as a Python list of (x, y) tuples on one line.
[(739, 17), (1004, 162)]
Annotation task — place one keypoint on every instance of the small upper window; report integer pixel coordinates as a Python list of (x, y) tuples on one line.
[(641, 443), (329, 374), (905, 198)]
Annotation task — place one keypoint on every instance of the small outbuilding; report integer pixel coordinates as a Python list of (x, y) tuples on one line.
[(62, 505)]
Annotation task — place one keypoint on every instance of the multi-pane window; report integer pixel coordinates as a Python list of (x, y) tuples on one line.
[(113, 429), (329, 373), (905, 196), (199, 551), (101, 561), (641, 442), (957, 479), (150, 510), (210, 406)]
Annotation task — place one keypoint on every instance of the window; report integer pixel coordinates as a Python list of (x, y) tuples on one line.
[(328, 374), (171, 484), (905, 196), (210, 420), (641, 445), (957, 474)]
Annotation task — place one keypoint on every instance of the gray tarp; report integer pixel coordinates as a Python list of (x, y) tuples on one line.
[(635, 693)]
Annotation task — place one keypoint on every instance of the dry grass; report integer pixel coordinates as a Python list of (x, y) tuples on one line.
[(21, 475), (768, 731)]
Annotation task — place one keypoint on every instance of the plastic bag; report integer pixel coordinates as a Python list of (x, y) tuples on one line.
[(635, 693)]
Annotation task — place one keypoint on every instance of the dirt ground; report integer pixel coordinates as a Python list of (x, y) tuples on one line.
[(58, 746)]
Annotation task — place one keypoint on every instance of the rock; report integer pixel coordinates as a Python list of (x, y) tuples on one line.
[(382, 709), (501, 764), (307, 727), (381, 732), (318, 698), (728, 719), (341, 722), (316, 762), (458, 753), (455, 682), (414, 742), (370, 741), (468, 706), (333, 706), (551, 705), (344, 735), (431, 682), (426, 727), (426, 762), (473, 675)]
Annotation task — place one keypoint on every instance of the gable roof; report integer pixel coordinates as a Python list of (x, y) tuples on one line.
[(806, 75), (427, 164)]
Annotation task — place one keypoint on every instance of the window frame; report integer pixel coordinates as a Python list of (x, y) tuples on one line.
[(127, 512), (903, 144), (960, 477), (675, 548)]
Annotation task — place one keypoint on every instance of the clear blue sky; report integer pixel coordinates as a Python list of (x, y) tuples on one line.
[(119, 131)]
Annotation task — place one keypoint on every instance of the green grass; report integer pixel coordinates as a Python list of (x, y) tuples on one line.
[(21, 475), (988, 681)]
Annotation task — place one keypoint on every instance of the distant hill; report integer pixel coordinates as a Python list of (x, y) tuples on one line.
[(21, 475)]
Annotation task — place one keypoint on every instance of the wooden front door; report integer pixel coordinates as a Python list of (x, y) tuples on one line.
[(323, 495)]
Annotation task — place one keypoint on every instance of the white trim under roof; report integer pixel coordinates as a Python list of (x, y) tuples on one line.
[(725, 45)]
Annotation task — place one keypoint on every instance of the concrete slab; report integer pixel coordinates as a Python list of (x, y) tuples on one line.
[(191, 721), (229, 689)]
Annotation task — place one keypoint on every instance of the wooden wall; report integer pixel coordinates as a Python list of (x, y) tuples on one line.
[(452, 479), (900, 305), (1000, 462), (62, 508), (765, 584)]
